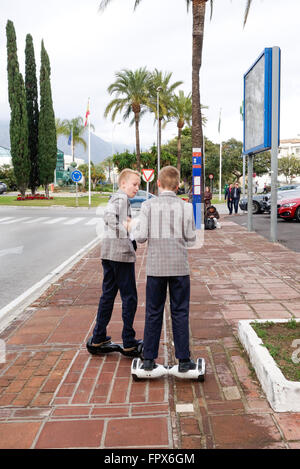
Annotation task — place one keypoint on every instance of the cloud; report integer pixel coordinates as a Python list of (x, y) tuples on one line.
[(87, 48)]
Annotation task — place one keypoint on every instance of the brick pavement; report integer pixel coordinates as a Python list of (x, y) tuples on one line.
[(53, 394)]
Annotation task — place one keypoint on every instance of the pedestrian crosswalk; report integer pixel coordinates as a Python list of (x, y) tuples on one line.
[(48, 221)]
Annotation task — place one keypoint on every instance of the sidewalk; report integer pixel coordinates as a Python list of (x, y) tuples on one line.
[(53, 394)]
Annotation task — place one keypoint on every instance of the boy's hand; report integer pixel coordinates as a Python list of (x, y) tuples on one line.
[(128, 224)]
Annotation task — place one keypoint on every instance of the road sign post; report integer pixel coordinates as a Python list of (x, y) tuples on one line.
[(197, 185), (77, 177)]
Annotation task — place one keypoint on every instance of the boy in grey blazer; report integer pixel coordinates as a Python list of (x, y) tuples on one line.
[(118, 262), (167, 223)]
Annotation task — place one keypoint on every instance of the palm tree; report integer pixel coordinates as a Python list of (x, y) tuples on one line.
[(199, 8), (181, 111), (76, 126), (160, 82), (130, 89)]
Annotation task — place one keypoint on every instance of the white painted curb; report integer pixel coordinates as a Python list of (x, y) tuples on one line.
[(17, 306), (283, 395)]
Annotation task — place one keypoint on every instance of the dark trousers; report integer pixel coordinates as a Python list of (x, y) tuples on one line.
[(230, 206), (156, 292), (236, 205), (117, 276)]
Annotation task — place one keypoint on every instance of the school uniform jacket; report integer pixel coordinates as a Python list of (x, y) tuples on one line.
[(116, 244), (167, 223)]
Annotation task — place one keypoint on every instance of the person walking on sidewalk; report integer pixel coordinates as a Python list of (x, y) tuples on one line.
[(207, 197), (167, 223), (236, 195), (118, 262), (228, 197)]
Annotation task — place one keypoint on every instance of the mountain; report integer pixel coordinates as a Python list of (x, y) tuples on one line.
[(100, 149)]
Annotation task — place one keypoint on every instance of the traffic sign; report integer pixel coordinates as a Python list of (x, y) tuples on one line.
[(211, 176), (148, 174), (77, 176)]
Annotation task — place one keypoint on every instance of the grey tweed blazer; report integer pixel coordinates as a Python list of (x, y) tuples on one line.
[(116, 244), (168, 224)]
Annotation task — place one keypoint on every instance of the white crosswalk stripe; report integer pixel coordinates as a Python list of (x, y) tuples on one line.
[(73, 221), (94, 221), (15, 220), (55, 220), (37, 220), (66, 221)]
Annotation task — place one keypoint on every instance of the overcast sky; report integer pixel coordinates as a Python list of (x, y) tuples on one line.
[(87, 48)]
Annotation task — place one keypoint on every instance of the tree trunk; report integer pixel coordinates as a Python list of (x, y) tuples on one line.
[(47, 190), (179, 149), (198, 31), (137, 137)]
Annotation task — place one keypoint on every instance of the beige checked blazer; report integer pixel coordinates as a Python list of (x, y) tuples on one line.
[(116, 244), (168, 224)]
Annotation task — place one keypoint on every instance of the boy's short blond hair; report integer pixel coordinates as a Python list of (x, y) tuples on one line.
[(169, 178), (126, 173)]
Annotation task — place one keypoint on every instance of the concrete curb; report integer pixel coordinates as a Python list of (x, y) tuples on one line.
[(283, 395), (17, 306)]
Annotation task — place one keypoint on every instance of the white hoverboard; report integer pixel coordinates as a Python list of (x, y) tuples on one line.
[(138, 373)]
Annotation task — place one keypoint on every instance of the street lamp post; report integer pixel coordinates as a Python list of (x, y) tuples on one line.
[(112, 152), (159, 89)]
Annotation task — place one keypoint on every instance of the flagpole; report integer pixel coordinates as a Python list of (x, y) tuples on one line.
[(72, 143), (89, 122), (221, 148)]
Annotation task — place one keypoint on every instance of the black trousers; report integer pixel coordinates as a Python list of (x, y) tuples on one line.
[(230, 205), (236, 205), (117, 276), (156, 292)]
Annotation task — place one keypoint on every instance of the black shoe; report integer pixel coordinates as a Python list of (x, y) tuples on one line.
[(148, 365), (107, 346), (186, 365), (135, 351)]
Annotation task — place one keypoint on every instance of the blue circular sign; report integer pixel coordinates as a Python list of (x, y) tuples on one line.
[(77, 176)]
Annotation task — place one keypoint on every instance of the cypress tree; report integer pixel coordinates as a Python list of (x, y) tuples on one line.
[(18, 121), (32, 112), (47, 146)]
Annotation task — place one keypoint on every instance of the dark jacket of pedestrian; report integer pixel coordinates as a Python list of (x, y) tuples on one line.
[(236, 192), (212, 212)]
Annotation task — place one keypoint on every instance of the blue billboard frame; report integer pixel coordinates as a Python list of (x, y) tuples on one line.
[(267, 131)]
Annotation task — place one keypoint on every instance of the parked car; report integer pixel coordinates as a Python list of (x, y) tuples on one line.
[(289, 187), (262, 203), (282, 195), (289, 208), (3, 187), (140, 197), (258, 203)]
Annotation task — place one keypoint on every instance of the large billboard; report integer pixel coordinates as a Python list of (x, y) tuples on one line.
[(258, 104)]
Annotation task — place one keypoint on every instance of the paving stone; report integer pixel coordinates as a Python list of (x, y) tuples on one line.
[(231, 393), (244, 431), (71, 434), (152, 432), (18, 435), (290, 425)]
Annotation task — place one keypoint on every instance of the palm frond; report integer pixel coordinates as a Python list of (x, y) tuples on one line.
[(247, 11), (103, 5), (137, 2)]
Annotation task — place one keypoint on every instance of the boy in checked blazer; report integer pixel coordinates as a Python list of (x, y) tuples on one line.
[(118, 262), (167, 223)]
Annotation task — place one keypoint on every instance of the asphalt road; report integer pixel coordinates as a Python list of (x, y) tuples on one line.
[(35, 241), (288, 231)]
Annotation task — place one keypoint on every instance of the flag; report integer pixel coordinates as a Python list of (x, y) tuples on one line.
[(242, 111), (87, 114), (70, 137), (219, 126)]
